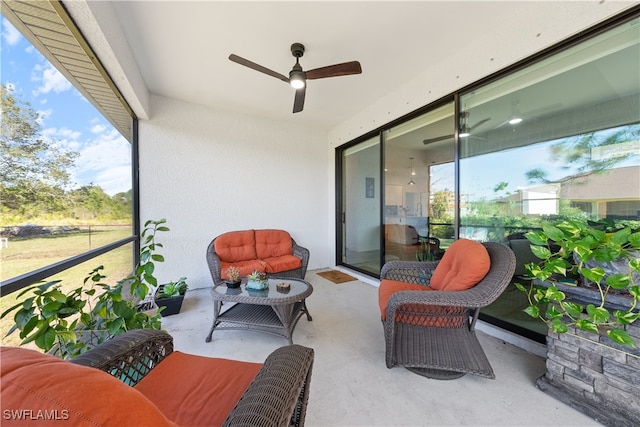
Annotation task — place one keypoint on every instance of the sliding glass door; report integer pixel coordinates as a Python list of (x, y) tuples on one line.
[(360, 207)]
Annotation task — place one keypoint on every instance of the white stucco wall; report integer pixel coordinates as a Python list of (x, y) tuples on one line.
[(208, 172)]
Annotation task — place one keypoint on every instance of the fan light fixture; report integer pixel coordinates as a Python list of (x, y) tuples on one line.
[(515, 117), (413, 172), (464, 132), (296, 79)]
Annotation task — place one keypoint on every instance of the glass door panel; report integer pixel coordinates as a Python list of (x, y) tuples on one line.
[(361, 206), (419, 186)]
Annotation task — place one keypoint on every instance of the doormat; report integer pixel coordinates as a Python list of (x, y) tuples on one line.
[(336, 276)]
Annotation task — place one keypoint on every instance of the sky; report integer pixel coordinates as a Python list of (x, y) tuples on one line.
[(66, 118)]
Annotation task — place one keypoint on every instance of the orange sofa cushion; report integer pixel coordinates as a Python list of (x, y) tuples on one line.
[(463, 265), (390, 287), (236, 246), (245, 267), (194, 390), (46, 390), (282, 263), (273, 243)]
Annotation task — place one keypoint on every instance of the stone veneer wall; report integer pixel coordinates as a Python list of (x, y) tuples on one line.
[(594, 375)]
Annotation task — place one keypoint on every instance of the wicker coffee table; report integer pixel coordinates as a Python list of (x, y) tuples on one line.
[(271, 311)]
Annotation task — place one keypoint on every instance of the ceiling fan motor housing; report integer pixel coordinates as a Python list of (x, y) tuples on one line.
[(297, 50)]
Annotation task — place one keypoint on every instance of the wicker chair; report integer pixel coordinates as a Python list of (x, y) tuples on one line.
[(277, 395), (448, 348)]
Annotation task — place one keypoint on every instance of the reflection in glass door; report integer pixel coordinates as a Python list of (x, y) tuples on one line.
[(361, 206), (419, 186)]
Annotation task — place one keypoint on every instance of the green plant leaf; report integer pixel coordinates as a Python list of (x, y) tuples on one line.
[(598, 314), (620, 237), (558, 327), (587, 325), (635, 291), (618, 281), (621, 337), (116, 327), (541, 252), (553, 313), (46, 340), (554, 233), (634, 240), (553, 294), (573, 309), (532, 311), (520, 287), (625, 317), (536, 238), (593, 274), (606, 254), (157, 257)]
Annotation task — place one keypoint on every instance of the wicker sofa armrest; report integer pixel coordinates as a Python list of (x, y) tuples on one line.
[(302, 253), (278, 395), (129, 356)]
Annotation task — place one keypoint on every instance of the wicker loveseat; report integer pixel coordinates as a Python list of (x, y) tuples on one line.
[(152, 385), (271, 251)]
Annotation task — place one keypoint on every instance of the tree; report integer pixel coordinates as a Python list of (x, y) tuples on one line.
[(33, 172)]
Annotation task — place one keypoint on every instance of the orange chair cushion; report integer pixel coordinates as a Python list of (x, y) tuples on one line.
[(419, 314), (463, 265), (273, 243), (195, 390), (236, 246), (245, 267), (390, 287), (282, 263), (46, 390)]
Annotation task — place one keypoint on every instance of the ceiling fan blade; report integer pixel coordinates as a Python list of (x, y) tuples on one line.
[(336, 70), (437, 139), (479, 123), (298, 101), (257, 67)]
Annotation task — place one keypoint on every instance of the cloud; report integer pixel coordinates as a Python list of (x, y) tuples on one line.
[(10, 35), (51, 80)]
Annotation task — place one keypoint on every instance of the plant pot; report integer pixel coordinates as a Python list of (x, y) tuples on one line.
[(171, 305), (233, 285)]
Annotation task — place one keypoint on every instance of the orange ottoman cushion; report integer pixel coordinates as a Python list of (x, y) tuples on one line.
[(463, 265), (46, 390), (195, 390), (236, 246), (273, 243)]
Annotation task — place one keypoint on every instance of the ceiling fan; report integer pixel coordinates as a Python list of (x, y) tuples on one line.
[(298, 77), (464, 129)]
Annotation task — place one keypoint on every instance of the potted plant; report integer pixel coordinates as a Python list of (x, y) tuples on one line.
[(169, 297), (233, 277), (257, 281), (576, 253)]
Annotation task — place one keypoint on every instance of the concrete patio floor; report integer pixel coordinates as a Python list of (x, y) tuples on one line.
[(351, 386)]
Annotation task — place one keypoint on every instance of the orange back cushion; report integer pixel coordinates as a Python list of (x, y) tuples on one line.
[(273, 243), (195, 390), (236, 246), (62, 393), (463, 265)]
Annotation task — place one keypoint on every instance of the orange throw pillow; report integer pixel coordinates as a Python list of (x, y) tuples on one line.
[(195, 390), (39, 389), (463, 265)]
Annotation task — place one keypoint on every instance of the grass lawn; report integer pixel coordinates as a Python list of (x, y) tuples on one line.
[(25, 255)]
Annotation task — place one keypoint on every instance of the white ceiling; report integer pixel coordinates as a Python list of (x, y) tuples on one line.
[(181, 48)]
